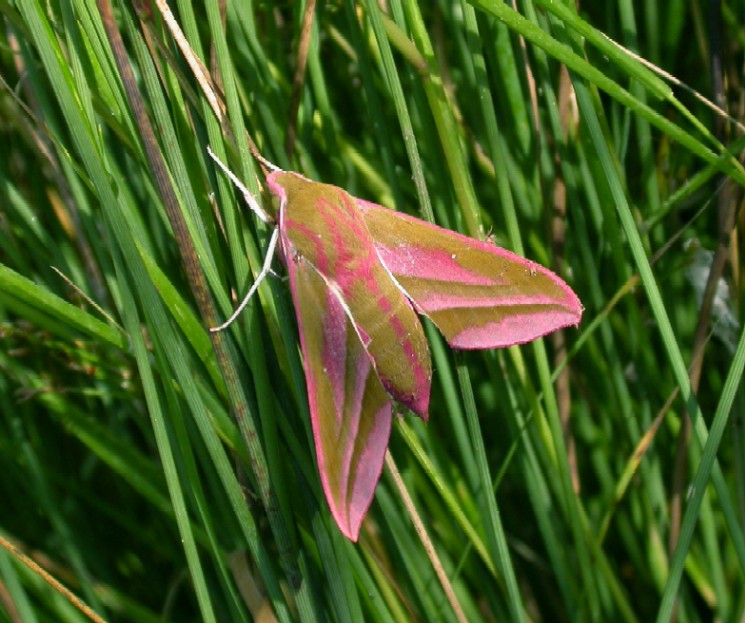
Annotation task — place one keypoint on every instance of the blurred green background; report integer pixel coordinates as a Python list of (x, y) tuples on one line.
[(160, 473)]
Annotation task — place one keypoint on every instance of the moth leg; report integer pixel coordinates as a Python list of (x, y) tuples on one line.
[(266, 269)]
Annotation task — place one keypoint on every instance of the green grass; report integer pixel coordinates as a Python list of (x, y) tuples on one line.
[(161, 473)]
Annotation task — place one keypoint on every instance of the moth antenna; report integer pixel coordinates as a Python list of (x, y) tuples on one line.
[(266, 163), (265, 270), (247, 196)]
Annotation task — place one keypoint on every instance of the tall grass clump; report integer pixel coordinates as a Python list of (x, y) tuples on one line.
[(150, 470)]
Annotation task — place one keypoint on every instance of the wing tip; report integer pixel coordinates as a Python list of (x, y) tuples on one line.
[(347, 516)]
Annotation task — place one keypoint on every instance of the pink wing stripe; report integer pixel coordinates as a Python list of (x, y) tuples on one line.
[(511, 330), (415, 260), (334, 328), (368, 467), (438, 302)]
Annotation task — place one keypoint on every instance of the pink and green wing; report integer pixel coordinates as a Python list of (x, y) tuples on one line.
[(322, 224), (350, 410), (477, 294), (362, 342)]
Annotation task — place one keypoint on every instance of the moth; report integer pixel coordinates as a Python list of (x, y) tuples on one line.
[(359, 275)]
